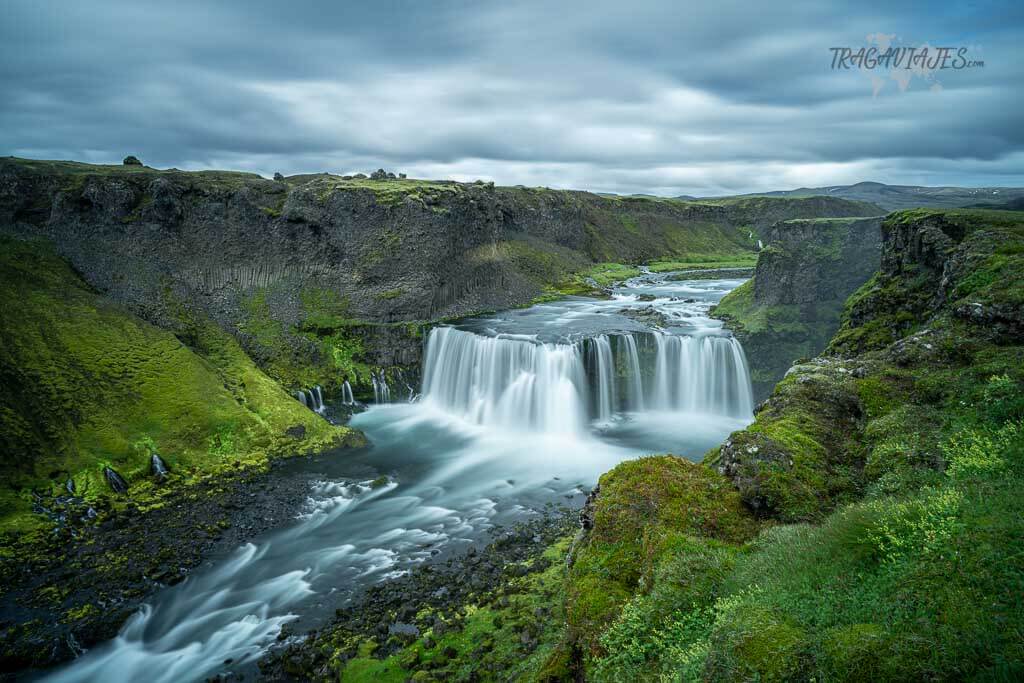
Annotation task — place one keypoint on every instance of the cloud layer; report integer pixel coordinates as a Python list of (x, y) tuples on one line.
[(662, 98)]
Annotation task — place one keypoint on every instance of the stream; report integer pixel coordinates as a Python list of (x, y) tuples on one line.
[(517, 411)]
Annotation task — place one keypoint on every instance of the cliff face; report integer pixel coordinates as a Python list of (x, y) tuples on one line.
[(947, 297), (318, 277), (791, 307)]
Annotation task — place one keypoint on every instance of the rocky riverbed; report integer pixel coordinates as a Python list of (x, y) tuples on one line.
[(56, 605)]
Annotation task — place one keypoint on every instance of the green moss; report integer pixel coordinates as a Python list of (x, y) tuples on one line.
[(702, 261), (646, 507), (84, 612), (852, 652), (489, 640), (391, 294), (662, 633), (749, 642), (324, 348), (387, 248), (90, 385)]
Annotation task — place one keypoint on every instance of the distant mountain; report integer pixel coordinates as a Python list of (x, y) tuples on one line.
[(893, 197)]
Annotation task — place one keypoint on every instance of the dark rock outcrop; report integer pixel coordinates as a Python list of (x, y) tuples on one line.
[(791, 307)]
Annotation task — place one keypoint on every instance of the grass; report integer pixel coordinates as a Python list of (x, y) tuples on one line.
[(698, 262), (647, 509), (892, 547), (489, 640), (89, 385)]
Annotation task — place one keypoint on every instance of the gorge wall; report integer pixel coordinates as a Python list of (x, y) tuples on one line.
[(791, 307), (321, 277)]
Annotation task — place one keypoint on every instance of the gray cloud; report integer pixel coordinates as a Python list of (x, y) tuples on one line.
[(627, 97)]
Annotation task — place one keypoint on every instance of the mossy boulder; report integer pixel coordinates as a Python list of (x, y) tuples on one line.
[(803, 455), (643, 509)]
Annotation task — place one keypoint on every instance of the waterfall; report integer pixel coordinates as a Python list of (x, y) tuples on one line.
[(636, 380), (381, 390), (346, 394), (604, 367), (312, 399), (701, 374), (503, 382), (560, 388)]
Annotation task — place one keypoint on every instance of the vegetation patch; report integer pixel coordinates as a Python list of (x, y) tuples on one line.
[(645, 509), (90, 386)]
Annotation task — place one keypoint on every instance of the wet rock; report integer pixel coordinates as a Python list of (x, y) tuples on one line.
[(404, 631), (647, 315), (296, 432), (587, 513)]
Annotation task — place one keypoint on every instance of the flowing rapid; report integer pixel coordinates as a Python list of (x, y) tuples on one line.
[(516, 411)]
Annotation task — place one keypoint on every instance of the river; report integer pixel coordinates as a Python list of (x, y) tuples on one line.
[(518, 411)]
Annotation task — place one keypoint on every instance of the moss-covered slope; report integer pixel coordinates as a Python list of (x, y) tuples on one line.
[(886, 478), (88, 385)]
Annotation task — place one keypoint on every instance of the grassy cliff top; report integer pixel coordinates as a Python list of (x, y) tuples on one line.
[(410, 186)]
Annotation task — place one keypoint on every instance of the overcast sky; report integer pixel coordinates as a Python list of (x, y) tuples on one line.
[(659, 97)]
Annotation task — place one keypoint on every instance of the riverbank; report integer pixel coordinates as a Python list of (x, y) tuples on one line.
[(487, 613), (79, 586)]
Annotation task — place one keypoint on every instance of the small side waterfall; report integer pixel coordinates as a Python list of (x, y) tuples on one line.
[(560, 388), (381, 390), (346, 394), (312, 398)]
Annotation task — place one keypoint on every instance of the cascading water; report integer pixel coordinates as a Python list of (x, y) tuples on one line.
[(312, 399), (505, 382), (605, 389), (635, 379), (381, 390), (701, 374), (519, 383), (346, 394)]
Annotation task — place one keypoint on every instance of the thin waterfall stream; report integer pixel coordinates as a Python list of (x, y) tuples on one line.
[(517, 410)]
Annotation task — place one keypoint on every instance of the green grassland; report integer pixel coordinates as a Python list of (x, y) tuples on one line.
[(887, 534)]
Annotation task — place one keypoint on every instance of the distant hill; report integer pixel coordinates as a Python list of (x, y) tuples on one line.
[(894, 197)]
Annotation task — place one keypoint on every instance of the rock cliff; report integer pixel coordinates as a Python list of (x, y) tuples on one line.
[(791, 307)]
